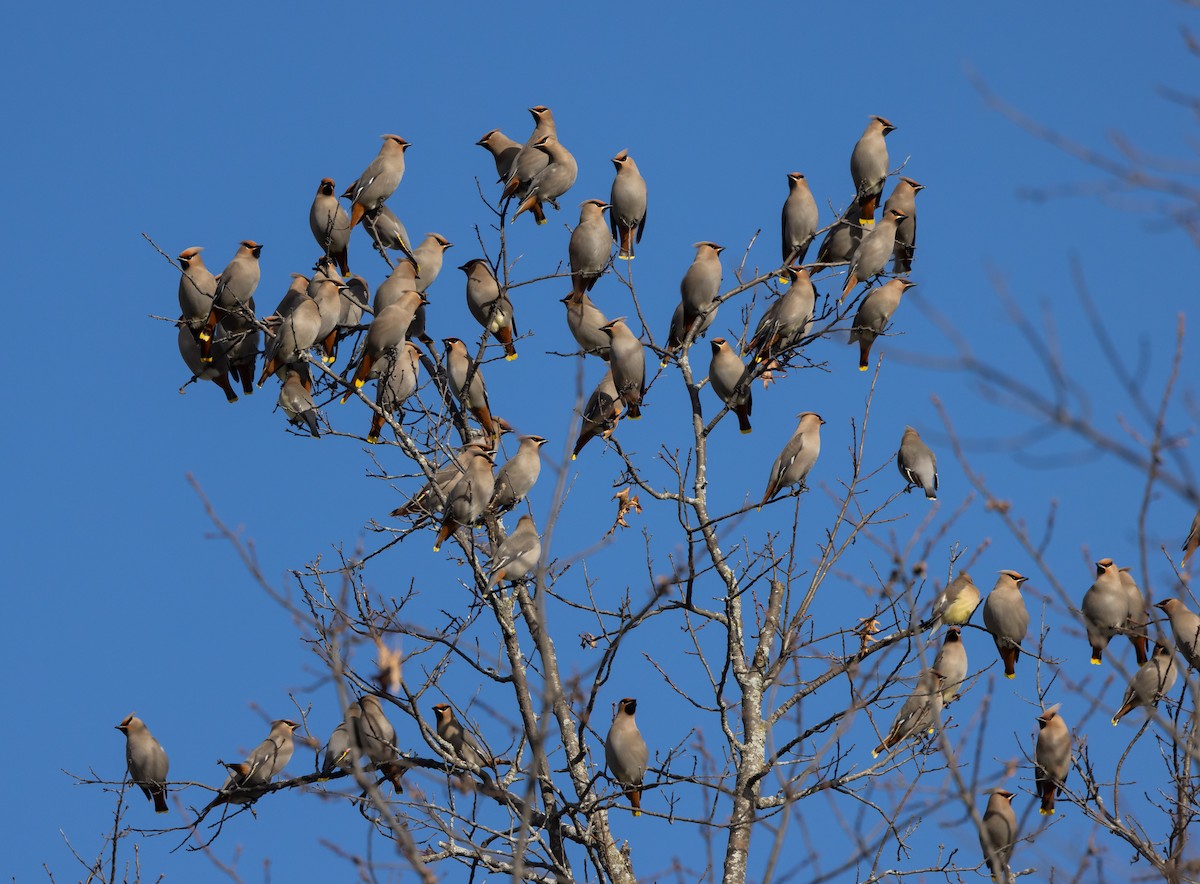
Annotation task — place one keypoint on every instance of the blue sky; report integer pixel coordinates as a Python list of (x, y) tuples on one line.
[(204, 127)]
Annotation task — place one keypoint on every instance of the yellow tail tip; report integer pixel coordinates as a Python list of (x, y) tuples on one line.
[(874, 753), (1115, 721), (1006, 675), (510, 358), (543, 221), (329, 360), (205, 336), (207, 360), (322, 779), (437, 548), (637, 813), (372, 440), (783, 277), (231, 398), (1095, 662), (747, 432), (1045, 812), (358, 383), (573, 457), (866, 222), (862, 368), (624, 257)]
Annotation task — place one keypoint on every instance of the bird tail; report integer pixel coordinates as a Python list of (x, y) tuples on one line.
[(160, 799)]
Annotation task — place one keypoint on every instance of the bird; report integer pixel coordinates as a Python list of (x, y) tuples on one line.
[(518, 475), (387, 230), (590, 247), (957, 602), (394, 386), (355, 297), (268, 759), (843, 238), (243, 345), (379, 180), (999, 834), (468, 499), (1192, 540), (1135, 618), (1006, 618), (1150, 683), (430, 499), (403, 278), (375, 737), (529, 160), (460, 366), (146, 761), (787, 320), (296, 335), (517, 555), (730, 380), (385, 335), (799, 223), (467, 751), (626, 754), (628, 362), (197, 286), (871, 256), (869, 166), (428, 257), (489, 305), (1185, 626), (330, 225), (1052, 757), (343, 744), (216, 371), (297, 403), (1105, 608), (917, 463), (585, 321), (600, 413), (325, 288), (903, 199), (797, 458), (233, 299), (503, 150), (874, 314), (627, 205), (698, 292), (951, 663), (920, 714), (551, 182)]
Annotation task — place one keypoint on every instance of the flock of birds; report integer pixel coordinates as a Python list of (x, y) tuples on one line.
[(220, 336)]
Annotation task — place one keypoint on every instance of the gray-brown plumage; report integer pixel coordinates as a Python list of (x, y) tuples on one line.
[(233, 300), (473, 397), (529, 160), (1192, 541), (296, 292), (244, 346), (518, 554), (429, 500), (217, 370), (395, 385), (503, 150), (731, 382), (342, 745), (491, 307), (1007, 619), (903, 199), (628, 361), (330, 225), (787, 320), (379, 180), (468, 499), (873, 316), (356, 295), (998, 835), (951, 664), (1150, 683), (146, 761), (797, 458), (520, 472), (799, 222), (600, 414), (551, 182), (626, 754), (872, 254), (403, 278), (869, 166), (385, 228), (698, 291), (466, 748), (197, 286), (297, 403), (585, 321), (325, 288), (376, 739), (957, 602), (917, 464), (1052, 757), (296, 335), (590, 247), (385, 334), (843, 238), (919, 715), (1105, 608), (429, 256), (627, 205), (268, 759), (1185, 626), (1135, 618)]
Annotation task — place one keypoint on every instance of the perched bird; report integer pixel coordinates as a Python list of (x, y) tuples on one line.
[(731, 382), (529, 160), (466, 749), (343, 743), (356, 295), (869, 166), (489, 305), (628, 362), (379, 180), (376, 739), (874, 314), (197, 286), (626, 754), (394, 386), (797, 458), (871, 256), (233, 299), (1052, 757), (1185, 626), (296, 292), (787, 320), (698, 292), (403, 278), (585, 321), (385, 335), (1150, 683), (268, 759), (843, 238), (325, 288), (297, 403), (146, 761), (799, 223), (243, 346), (216, 371), (998, 835), (429, 500), (627, 205), (904, 200), (1105, 608), (957, 602), (429, 256), (1006, 618), (460, 366), (600, 413), (518, 555), (330, 225), (920, 714), (951, 663), (917, 463), (1135, 619), (385, 227), (517, 477), (503, 150), (590, 247), (296, 335), (469, 497), (551, 182), (1192, 540)]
